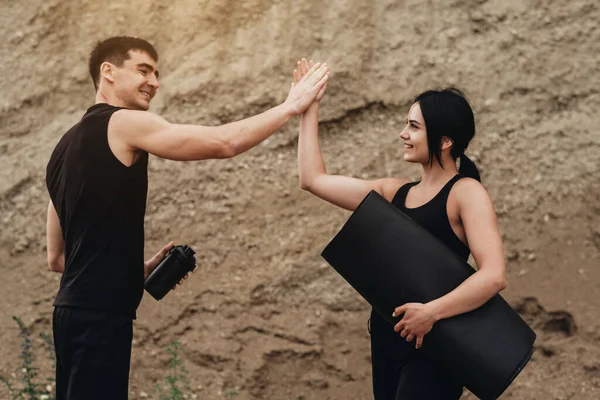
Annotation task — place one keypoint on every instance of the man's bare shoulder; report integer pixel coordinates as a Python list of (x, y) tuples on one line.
[(133, 121)]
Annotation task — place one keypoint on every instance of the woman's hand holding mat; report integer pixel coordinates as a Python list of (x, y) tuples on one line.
[(416, 322)]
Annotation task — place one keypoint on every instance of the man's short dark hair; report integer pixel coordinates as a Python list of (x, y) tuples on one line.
[(116, 50)]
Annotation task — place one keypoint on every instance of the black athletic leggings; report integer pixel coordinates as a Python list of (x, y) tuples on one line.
[(400, 372), (93, 353)]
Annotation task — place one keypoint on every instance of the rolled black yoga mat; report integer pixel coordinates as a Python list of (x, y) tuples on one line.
[(391, 260)]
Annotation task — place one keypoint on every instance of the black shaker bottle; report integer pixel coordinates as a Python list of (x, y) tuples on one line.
[(178, 262)]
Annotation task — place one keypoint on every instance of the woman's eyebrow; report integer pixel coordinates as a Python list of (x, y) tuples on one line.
[(414, 122)]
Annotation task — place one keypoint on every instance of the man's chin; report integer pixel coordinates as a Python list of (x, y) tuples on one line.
[(141, 106)]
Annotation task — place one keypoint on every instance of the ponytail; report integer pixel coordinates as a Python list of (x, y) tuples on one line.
[(468, 168)]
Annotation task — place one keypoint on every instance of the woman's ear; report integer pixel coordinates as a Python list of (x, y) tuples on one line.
[(446, 143)]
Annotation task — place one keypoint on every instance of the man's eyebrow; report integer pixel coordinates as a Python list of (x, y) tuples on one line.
[(150, 67)]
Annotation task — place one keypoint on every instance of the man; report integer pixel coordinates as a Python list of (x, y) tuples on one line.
[(97, 180)]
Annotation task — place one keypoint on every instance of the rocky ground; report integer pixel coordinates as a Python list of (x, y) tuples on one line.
[(264, 317)]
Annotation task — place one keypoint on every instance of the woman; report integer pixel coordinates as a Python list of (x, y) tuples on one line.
[(451, 203)]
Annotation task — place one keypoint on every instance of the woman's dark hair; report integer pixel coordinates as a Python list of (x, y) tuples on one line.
[(447, 112), (116, 50)]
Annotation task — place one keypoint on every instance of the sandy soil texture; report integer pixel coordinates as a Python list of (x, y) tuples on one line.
[(264, 317)]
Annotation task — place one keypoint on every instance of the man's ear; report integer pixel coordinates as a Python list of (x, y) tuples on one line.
[(107, 71), (446, 143)]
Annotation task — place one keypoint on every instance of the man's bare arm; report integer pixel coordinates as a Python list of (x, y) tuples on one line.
[(142, 130), (55, 243), (130, 130)]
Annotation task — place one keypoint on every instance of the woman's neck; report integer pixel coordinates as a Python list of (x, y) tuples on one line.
[(434, 175)]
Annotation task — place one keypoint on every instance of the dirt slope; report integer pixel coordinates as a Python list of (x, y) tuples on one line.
[(264, 316)]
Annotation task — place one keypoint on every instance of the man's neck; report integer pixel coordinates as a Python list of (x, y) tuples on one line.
[(113, 100)]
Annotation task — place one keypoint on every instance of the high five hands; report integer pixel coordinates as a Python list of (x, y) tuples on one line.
[(305, 69), (307, 87)]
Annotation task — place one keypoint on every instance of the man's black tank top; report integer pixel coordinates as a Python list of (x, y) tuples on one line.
[(433, 215), (101, 205)]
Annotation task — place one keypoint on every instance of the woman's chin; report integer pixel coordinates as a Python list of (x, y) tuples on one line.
[(408, 158)]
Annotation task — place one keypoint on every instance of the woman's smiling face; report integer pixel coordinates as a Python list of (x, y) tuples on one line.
[(414, 135)]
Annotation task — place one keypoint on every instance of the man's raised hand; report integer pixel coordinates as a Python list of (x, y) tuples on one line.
[(307, 87), (302, 69)]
